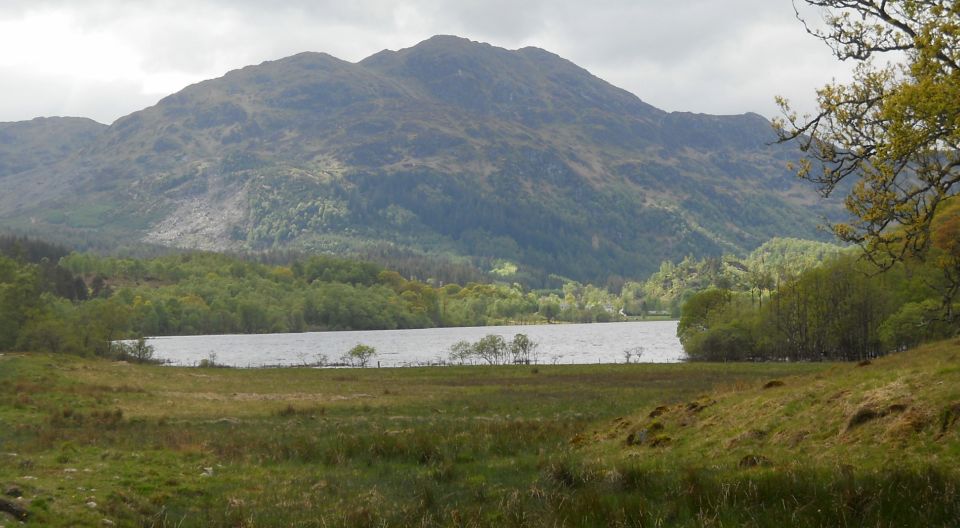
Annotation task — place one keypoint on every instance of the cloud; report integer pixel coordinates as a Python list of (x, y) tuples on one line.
[(697, 55)]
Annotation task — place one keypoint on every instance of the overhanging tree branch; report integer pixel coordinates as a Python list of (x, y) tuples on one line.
[(893, 129)]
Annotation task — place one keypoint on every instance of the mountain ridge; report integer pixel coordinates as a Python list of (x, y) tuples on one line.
[(449, 147)]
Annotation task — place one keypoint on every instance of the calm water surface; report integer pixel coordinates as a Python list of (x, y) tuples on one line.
[(559, 343)]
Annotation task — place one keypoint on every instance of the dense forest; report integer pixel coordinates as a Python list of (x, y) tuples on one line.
[(845, 309)]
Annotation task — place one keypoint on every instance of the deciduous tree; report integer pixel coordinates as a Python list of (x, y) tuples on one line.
[(895, 129), (359, 355)]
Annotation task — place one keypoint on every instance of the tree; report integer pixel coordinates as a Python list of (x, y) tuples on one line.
[(698, 311), (629, 353), (491, 348), (549, 309), (895, 129), (101, 322), (913, 324), (946, 253), (523, 349), (359, 355), (832, 312), (461, 352)]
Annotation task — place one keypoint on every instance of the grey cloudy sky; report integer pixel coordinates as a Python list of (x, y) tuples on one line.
[(107, 58)]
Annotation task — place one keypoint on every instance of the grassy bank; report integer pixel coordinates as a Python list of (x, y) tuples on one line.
[(86, 442)]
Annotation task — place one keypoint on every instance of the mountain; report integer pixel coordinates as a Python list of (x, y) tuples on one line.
[(43, 141), (451, 148)]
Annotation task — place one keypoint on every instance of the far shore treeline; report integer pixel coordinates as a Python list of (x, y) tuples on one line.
[(789, 299), (52, 299), (55, 300)]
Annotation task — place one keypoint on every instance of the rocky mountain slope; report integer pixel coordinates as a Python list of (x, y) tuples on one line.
[(450, 147)]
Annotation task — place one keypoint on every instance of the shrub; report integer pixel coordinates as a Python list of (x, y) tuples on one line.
[(136, 351), (494, 350), (210, 362)]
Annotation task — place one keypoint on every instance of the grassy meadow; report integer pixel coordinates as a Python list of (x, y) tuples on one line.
[(97, 443)]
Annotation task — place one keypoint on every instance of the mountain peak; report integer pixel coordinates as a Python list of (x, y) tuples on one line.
[(450, 40), (525, 84), (311, 59), (445, 44)]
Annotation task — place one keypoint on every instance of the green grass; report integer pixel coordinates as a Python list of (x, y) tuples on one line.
[(886, 413), (88, 440)]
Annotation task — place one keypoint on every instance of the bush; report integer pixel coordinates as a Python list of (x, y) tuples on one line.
[(137, 351), (494, 350), (210, 362), (725, 342)]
